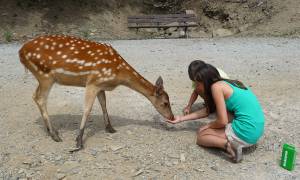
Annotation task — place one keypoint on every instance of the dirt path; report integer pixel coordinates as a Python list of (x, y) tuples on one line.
[(144, 146)]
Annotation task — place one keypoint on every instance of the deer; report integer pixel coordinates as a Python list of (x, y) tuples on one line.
[(73, 61)]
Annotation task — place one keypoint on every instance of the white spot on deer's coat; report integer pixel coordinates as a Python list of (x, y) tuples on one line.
[(64, 56), (28, 55), (38, 49), (88, 64), (72, 48), (111, 52), (54, 62), (58, 52), (41, 43), (50, 57), (38, 56), (60, 45), (81, 62), (46, 46)]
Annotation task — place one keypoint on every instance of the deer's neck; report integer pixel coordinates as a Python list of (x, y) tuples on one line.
[(138, 83)]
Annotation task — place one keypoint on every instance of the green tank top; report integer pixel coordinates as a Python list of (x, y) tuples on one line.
[(248, 121)]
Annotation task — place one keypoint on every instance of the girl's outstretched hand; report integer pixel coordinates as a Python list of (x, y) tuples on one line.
[(177, 119)]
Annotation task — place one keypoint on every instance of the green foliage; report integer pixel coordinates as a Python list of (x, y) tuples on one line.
[(8, 36), (85, 34)]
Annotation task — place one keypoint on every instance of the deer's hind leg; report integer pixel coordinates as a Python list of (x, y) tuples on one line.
[(90, 96), (40, 97), (102, 100)]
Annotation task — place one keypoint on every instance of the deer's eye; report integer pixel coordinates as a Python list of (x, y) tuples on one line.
[(166, 104)]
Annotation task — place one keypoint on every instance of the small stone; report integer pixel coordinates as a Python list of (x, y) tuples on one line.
[(93, 152), (139, 172), (182, 157), (215, 168), (200, 170), (116, 147), (60, 176), (274, 116), (168, 163)]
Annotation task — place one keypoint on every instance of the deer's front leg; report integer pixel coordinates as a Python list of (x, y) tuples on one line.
[(102, 100), (40, 97), (90, 95)]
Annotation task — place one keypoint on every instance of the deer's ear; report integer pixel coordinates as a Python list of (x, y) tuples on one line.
[(159, 86)]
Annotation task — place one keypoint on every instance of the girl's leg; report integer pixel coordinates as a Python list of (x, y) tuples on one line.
[(215, 138), (212, 138)]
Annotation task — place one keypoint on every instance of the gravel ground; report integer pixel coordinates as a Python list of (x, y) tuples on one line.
[(144, 146)]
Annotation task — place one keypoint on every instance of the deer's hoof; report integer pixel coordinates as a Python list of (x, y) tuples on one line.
[(110, 129), (54, 135)]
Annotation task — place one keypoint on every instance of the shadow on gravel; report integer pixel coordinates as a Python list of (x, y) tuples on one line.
[(95, 123), (222, 154)]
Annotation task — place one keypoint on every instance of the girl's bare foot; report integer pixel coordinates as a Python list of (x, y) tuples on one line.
[(234, 153), (229, 150)]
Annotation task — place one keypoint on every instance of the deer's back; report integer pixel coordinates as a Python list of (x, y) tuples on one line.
[(68, 59)]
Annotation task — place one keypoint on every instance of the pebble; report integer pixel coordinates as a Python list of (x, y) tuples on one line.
[(182, 157), (116, 147), (137, 173), (61, 176)]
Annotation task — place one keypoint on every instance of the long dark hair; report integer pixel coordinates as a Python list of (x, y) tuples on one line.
[(193, 68), (208, 75)]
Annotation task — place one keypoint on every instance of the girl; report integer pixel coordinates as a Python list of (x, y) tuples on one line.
[(196, 64), (226, 97)]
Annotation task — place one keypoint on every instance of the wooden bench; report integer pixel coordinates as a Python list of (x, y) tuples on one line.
[(165, 21)]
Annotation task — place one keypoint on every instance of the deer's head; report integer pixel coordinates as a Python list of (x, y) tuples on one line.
[(161, 100)]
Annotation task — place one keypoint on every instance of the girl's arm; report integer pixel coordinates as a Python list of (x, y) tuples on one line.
[(192, 99), (195, 115), (218, 96)]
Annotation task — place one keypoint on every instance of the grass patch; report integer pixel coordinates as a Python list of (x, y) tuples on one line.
[(8, 36)]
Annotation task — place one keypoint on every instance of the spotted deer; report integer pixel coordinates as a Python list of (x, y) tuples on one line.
[(96, 66)]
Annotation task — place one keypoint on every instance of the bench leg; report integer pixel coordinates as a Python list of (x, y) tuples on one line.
[(186, 32)]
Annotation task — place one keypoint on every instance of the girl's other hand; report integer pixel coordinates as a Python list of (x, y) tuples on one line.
[(187, 110), (177, 119)]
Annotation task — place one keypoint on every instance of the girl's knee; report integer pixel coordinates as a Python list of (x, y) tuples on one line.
[(200, 140)]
